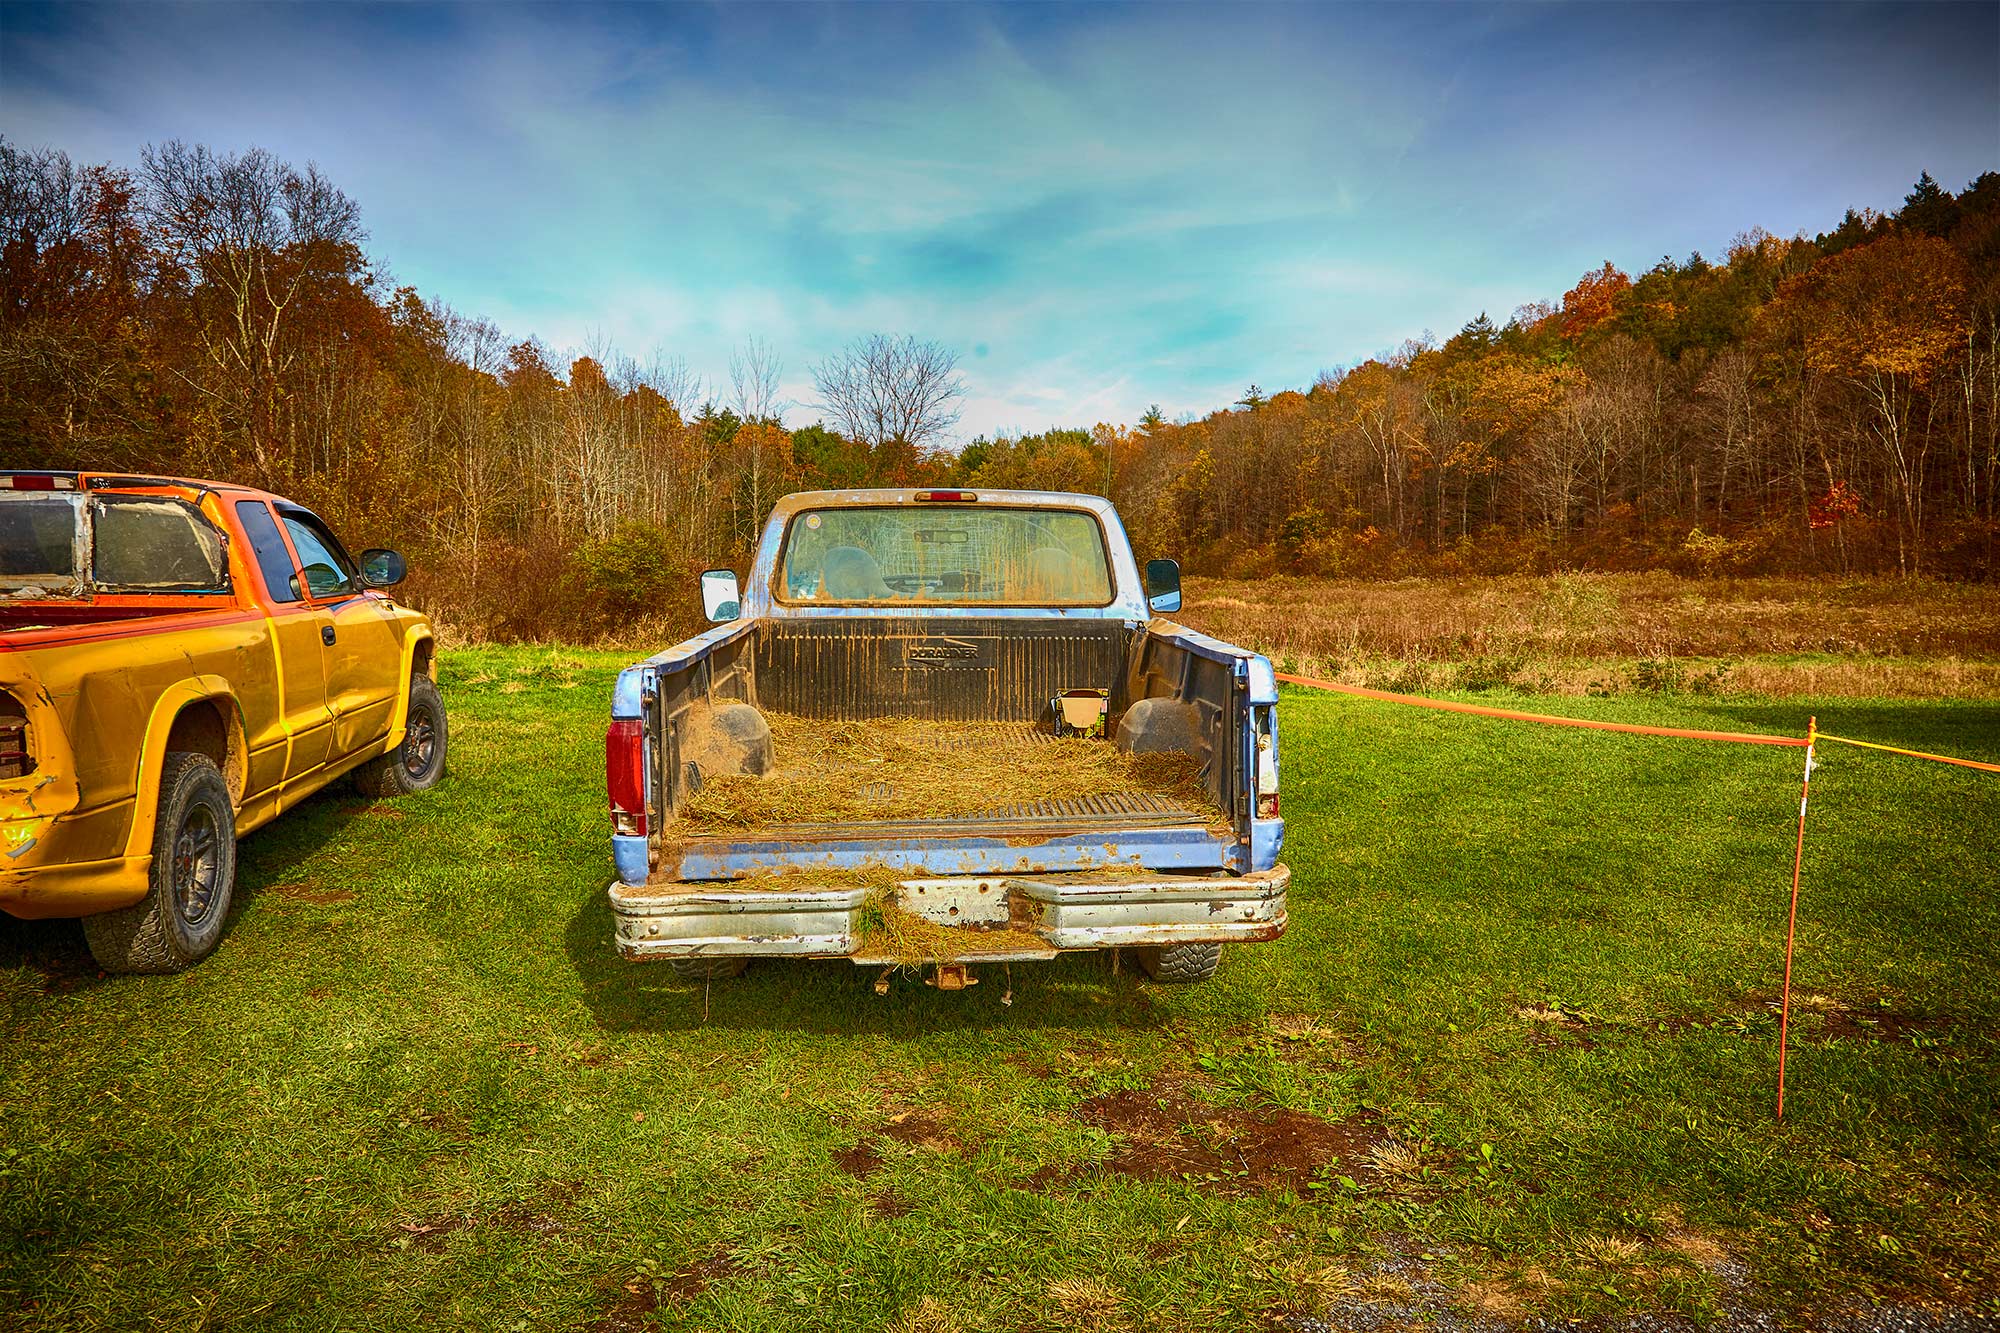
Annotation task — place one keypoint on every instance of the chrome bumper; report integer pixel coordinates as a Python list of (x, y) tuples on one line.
[(708, 920)]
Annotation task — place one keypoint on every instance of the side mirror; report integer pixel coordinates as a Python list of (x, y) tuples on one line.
[(382, 568), (1163, 585), (720, 598)]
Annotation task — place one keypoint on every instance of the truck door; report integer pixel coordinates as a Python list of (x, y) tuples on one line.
[(361, 645), (294, 743)]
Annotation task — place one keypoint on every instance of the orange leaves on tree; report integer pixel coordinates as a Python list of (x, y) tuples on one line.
[(1893, 307), (1593, 300), (1839, 504)]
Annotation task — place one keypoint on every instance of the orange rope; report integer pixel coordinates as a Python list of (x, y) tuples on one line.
[(1916, 754), (1740, 737)]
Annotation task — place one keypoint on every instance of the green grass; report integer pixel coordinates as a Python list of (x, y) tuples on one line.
[(415, 1088)]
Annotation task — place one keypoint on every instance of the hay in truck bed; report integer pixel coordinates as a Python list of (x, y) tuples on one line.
[(904, 768)]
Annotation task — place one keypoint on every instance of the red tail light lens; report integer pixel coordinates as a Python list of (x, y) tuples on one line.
[(934, 496), (625, 775)]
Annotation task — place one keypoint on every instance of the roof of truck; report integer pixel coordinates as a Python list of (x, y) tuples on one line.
[(939, 495), (83, 480)]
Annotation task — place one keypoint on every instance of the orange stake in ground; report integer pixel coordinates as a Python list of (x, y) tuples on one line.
[(1792, 921)]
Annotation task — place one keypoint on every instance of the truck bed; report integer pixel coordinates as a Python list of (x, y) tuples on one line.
[(871, 792), (884, 770), (922, 746)]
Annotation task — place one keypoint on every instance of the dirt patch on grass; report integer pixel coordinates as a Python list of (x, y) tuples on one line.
[(887, 1203), (922, 1130), (861, 1161), (514, 1217), (1827, 1018), (696, 1278), (1166, 1135), (521, 1219), (427, 1235), (1553, 1026), (916, 1129), (1052, 1176), (632, 1311)]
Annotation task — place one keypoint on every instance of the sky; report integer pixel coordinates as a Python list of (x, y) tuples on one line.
[(1100, 208)]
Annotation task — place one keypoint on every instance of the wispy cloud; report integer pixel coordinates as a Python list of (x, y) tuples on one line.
[(1115, 206)]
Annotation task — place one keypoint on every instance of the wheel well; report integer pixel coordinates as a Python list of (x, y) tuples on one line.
[(422, 656), (204, 727)]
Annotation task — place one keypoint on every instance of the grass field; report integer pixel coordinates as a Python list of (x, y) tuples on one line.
[(1607, 634), (1513, 1058)]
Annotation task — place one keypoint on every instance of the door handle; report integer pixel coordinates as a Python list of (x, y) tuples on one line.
[(326, 635)]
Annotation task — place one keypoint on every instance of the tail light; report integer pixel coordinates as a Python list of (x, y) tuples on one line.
[(1267, 777), (15, 761), (625, 775), (933, 497)]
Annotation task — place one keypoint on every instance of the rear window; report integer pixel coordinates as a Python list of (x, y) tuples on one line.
[(143, 544), (38, 538), (945, 555), (128, 543)]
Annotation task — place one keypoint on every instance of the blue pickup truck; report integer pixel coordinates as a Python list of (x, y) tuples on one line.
[(971, 619)]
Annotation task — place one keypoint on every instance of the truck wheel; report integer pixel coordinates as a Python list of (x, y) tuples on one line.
[(1178, 964), (418, 762), (179, 922), (708, 969)]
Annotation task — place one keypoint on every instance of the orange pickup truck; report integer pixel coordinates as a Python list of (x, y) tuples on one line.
[(180, 662)]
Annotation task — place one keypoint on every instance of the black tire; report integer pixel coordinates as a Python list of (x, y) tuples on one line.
[(708, 969), (417, 762), (1180, 964), (180, 920)]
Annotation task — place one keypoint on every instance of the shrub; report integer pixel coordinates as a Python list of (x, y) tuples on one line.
[(635, 574)]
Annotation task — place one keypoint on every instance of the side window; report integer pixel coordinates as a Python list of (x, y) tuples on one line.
[(273, 560), (327, 571)]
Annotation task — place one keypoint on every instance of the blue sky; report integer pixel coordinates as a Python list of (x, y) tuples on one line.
[(1099, 207)]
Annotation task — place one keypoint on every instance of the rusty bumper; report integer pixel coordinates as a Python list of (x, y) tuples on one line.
[(1005, 918)]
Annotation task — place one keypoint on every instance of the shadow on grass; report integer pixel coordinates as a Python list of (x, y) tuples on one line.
[(57, 949), (1076, 992)]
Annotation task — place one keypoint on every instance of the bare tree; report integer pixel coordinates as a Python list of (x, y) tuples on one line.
[(754, 371), (247, 234), (894, 394)]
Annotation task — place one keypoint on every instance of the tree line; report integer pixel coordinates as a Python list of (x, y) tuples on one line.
[(1813, 405)]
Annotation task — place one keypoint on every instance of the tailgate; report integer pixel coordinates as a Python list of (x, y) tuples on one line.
[(1135, 829)]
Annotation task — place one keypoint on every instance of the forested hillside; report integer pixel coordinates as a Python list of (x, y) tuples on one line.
[(1819, 405)]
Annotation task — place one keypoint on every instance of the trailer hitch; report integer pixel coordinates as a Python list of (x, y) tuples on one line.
[(945, 976)]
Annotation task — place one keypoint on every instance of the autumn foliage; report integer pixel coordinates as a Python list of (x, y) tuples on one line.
[(1812, 405)]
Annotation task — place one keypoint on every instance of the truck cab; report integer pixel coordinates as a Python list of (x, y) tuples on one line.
[(945, 727), (181, 661)]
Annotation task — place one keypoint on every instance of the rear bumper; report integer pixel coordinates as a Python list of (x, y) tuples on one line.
[(991, 918), (75, 888)]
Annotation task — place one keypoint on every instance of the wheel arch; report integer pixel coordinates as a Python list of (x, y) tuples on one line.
[(419, 659), (199, 714)]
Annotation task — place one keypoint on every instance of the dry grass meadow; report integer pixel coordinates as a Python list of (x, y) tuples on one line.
[(1614, 633)]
